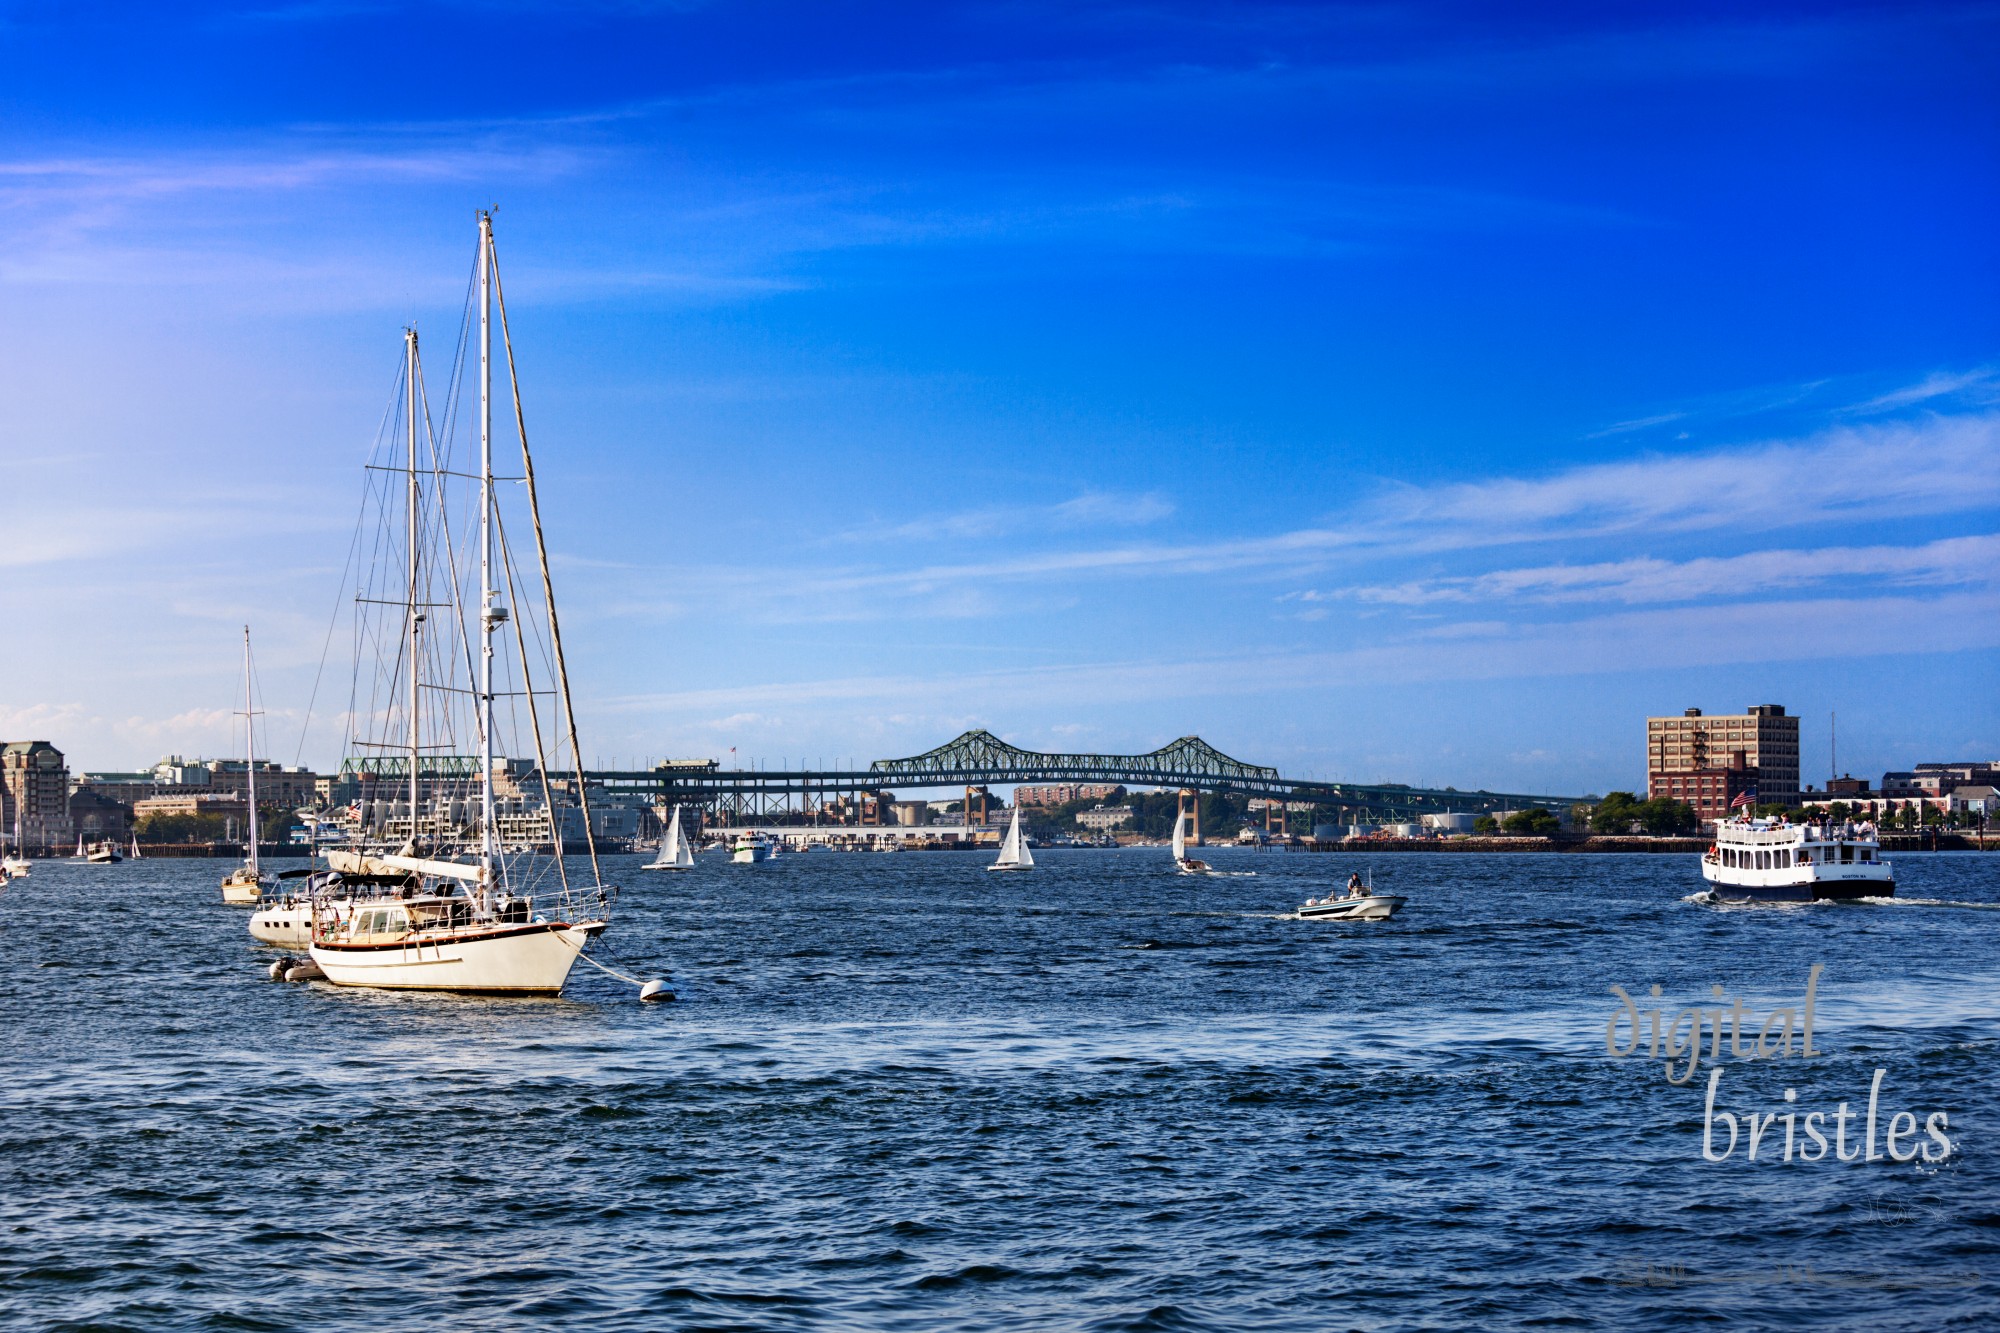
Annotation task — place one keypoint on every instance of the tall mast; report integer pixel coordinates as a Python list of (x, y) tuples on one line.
[(413, 619), (250, 749), (489, 617)]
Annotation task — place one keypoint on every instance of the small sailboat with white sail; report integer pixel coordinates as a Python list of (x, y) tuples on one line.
[(1187, 865), (1014, 853), (15, 864), (675, 854), (245, 885)]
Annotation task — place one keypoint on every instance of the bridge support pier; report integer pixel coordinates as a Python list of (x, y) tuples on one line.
[(1190, 806), (966, 808)]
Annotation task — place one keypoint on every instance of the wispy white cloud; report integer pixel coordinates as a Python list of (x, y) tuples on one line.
[(1094, 509), (1957, 560), (1980, 385), (1936, 465), (1749, 631)]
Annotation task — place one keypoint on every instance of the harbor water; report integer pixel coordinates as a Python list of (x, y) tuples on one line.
[(898, 1092)]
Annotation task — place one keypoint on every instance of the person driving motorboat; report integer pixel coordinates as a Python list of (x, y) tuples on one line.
[(1355, 888)]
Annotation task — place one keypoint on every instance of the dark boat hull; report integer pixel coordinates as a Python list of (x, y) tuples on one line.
[(1825, 891)]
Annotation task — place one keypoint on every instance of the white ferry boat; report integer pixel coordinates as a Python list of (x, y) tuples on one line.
[(750, 848), (1774, 860)]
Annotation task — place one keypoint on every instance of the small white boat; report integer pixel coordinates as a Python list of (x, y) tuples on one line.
[(675, 854), (244, 887), (1187, 865), (1372, 907), (100, 853), (1014, 853), (750, 848)]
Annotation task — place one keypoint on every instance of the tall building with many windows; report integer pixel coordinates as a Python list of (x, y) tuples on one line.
[(34, 781), (1708, 760)]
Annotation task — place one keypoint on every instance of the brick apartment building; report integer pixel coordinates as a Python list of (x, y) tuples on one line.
[(1708, 761)]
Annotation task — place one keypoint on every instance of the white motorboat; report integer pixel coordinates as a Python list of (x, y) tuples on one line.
[(1014, 853), (245, 885), (1775, 860), (99, 853), (486, 919), (750, 848), (675, 854), (1187, 865), (1369, 907)]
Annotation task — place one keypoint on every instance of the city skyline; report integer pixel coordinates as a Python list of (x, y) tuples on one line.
[(1378, 394)]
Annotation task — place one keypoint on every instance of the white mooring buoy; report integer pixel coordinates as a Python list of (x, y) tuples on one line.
[(655, 992)]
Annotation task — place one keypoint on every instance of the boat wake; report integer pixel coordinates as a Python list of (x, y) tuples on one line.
[(1932, 902)]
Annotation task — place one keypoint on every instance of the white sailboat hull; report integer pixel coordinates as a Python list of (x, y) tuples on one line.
[(532, 959), (242, 892), (290, 923)]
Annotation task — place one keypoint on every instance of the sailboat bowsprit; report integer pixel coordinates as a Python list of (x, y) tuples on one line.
[(443, 882)]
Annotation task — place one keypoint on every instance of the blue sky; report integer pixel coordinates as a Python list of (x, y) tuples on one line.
[(1392, 392)]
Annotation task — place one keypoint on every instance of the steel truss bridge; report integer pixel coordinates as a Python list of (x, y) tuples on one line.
[(979, 759)]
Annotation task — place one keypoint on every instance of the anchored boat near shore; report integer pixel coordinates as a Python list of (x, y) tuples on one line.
[(448, 903)]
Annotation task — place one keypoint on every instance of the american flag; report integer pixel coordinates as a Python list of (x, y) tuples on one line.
[(1747, 798)]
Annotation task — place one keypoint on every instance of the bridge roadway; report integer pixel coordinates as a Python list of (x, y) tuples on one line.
[(980, 759)]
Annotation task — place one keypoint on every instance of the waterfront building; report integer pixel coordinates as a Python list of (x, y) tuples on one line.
[(1049, 795), (98, 818), (1692, 757), (1935, 782), (34, 779), (1979, 800), (277, 784), (1101, 818), (197, 802)]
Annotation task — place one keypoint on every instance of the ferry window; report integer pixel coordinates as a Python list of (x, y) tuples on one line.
[(1846, 851), (1868, 853)]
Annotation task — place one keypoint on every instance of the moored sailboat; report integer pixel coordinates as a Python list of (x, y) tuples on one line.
[(482, 917), (244, 886)]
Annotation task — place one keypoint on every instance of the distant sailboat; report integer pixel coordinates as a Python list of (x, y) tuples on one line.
[(1014, 853), (675, 854), (245, 885), (1188, 865), (17, 864), (135, 847)]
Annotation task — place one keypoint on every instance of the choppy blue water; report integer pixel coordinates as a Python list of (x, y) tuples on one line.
[(900, 1093)]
